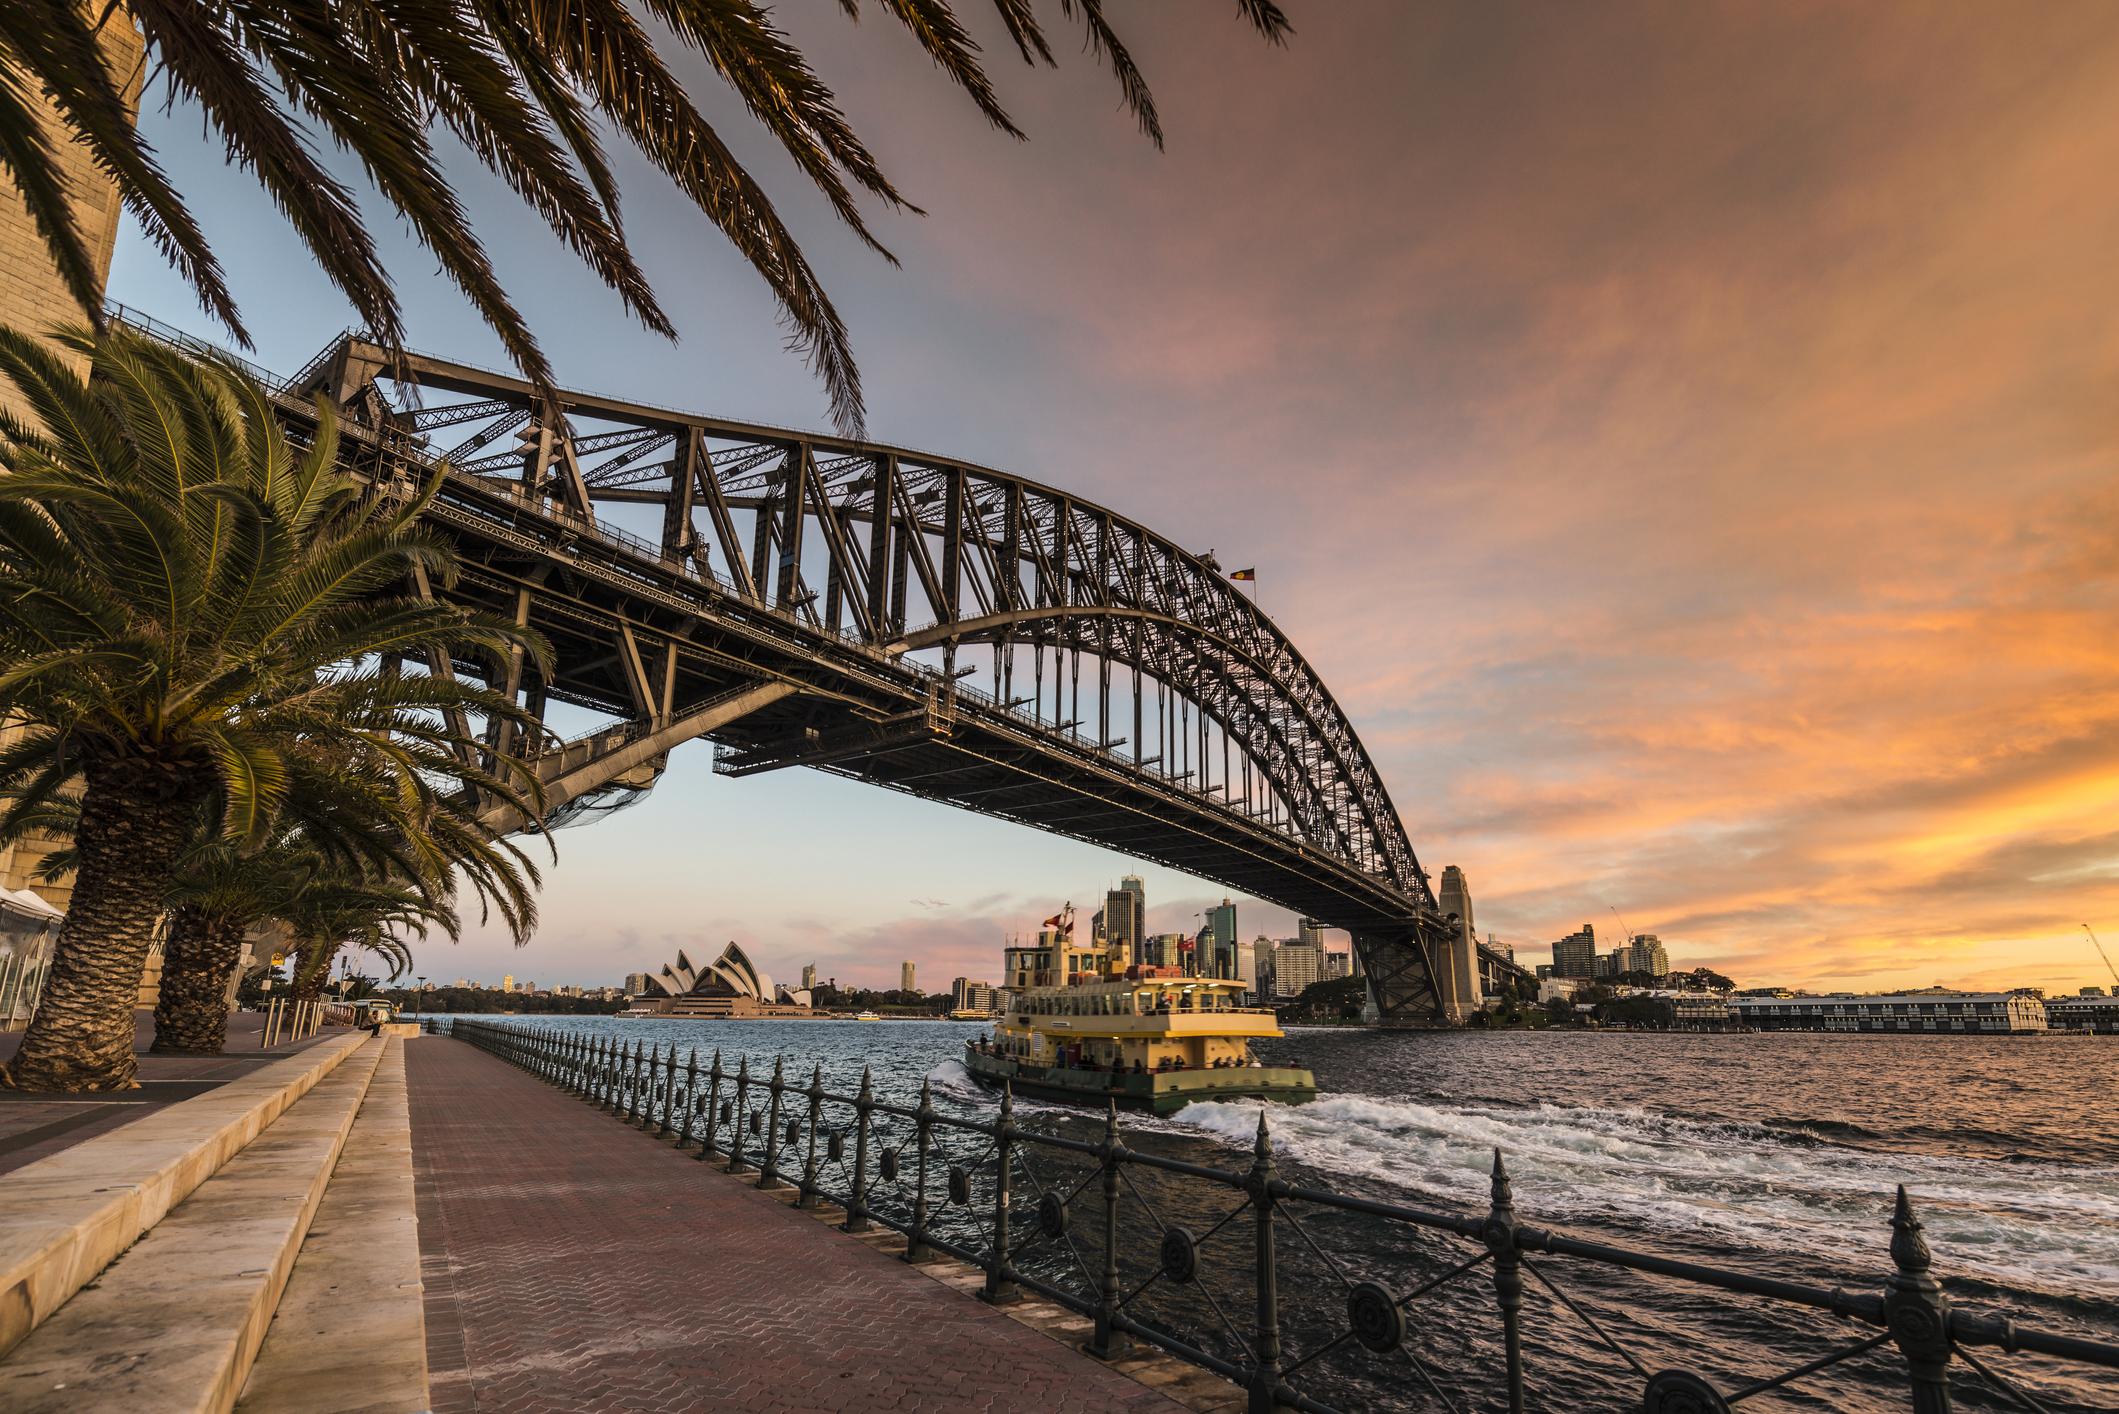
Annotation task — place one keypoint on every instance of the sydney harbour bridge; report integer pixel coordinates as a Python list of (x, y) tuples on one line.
[(900, 618)]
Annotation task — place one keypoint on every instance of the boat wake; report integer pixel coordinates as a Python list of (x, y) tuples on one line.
[(2029, 1224)]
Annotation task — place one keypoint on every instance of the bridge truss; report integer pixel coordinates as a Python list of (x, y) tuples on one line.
[(905, 619)]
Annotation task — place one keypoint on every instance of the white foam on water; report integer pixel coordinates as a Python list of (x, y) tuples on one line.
[(2036, 1225)]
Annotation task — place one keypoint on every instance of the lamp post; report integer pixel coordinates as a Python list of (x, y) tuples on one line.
[(419, 999)]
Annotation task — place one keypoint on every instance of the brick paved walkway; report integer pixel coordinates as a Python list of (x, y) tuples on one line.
[(572, 1263)]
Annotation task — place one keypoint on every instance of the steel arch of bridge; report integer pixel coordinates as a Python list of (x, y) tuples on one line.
[(806, 600)]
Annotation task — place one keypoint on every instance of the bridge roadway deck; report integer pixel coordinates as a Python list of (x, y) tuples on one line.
[(572, 1263)]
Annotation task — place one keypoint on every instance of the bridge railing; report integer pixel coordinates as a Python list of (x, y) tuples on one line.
[(1263, 1280)]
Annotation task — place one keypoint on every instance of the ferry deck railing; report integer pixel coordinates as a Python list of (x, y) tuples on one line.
[(795, 1133)]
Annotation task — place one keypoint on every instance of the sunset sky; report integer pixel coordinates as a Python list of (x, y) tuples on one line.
[(1683, 437)]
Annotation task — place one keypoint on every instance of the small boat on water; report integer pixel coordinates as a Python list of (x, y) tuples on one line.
[(1152, 1038), (866, 1016)]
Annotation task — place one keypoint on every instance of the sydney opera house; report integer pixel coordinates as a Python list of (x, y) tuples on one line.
[(730, 985)]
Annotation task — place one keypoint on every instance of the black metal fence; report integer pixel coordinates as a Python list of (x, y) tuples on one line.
[(904, 1167)]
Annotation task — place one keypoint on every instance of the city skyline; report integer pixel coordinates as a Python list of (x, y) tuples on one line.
[(1764, 587)]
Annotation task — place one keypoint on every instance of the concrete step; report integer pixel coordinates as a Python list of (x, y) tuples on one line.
[(175, 1323), (63, 1218), (351, 1333)]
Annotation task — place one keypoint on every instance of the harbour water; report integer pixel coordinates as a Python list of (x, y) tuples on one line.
[(1776, 1153)]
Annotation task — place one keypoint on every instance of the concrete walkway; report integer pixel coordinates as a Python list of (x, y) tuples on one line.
[(572, 1263)]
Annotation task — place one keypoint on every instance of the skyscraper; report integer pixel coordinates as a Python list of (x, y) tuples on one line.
[(1125, 919), (1576, 954), (507, 981), (905, 983), (809, 977), (1221, 923)]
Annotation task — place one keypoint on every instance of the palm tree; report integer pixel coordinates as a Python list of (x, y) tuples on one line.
[(191, 621), (369, 916), (340, 833), (519, 83)]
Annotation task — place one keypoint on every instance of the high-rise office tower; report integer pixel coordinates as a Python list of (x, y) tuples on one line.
[(905, 983), (809, 977), (1221, 923), (1125, 919)]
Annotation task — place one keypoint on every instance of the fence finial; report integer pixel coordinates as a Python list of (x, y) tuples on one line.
[(1909, 1249)]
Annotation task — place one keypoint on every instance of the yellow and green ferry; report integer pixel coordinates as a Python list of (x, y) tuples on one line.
[(1085, 1025)]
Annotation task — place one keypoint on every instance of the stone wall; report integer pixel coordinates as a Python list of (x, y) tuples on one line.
[(33, 297)]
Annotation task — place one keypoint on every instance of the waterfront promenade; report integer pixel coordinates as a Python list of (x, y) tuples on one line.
[(571, 1263), (391, 1225)]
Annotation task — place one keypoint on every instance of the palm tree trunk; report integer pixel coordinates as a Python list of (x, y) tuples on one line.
[(191, 1015), (135, 818), (313, 970)]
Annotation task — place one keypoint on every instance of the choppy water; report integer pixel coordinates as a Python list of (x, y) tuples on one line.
[(1778, 1153)]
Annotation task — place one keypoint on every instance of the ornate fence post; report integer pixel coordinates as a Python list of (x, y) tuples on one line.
[(713, 1107), (664, 1129), (1500, 1238), (1265, 1375), (816, 1122), (769, 1171), (634, 1084), (691, 1097), (1918, 1312), (742, 1120), (857, 1209), (999, 1289), (611, 1055), (923, 1128), (1108, 1342)]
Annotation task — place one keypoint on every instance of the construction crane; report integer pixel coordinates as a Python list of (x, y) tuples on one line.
[(2104, 956)]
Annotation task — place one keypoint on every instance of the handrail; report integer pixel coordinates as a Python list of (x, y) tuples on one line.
[(726, 1116)]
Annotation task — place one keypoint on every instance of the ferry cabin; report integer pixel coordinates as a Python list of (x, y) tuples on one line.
[(1134, 1024)]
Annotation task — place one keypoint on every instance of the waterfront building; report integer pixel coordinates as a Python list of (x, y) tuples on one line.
[(1335, 966), (1296, 966), (979, 997), (2091, 1010), (1576, 954), (1990, 1012), (1552, 988), (809, 977), (1310, 933), (636, 983), (905, 983), (507, 981)]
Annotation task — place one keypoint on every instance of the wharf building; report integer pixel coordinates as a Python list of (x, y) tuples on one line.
[(1979, 1013), (2092, 1012)]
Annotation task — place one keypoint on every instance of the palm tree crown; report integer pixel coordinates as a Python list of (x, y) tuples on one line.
[(196, 623), (521, 83)]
